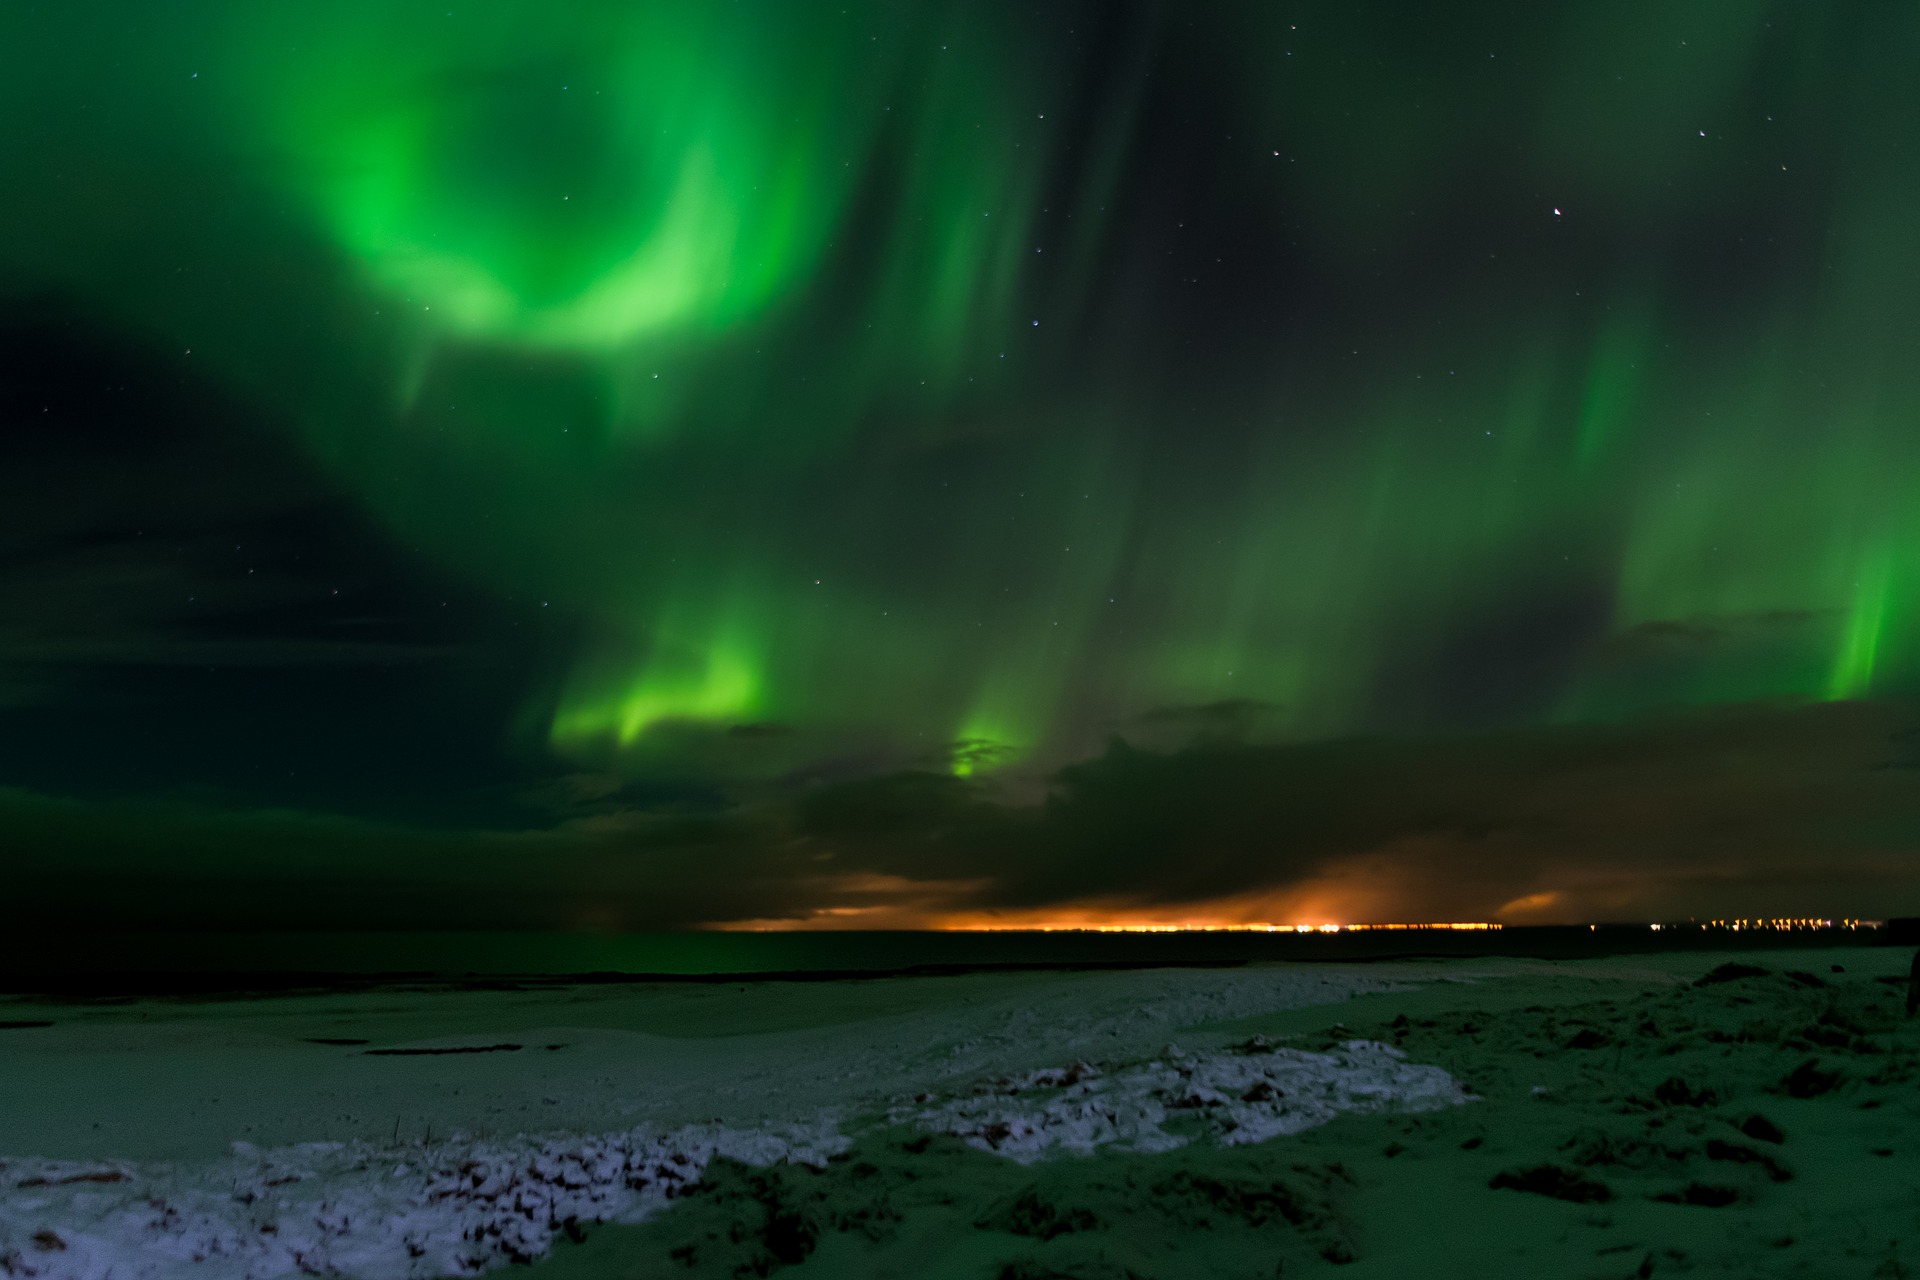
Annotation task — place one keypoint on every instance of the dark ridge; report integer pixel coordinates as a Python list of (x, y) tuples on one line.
[(335, 1040), (1552, 1181), (118, 987), (24, 1024), (1901, 931), (104, 1175), (1705, 1195), (109, 971), (423, 1053)]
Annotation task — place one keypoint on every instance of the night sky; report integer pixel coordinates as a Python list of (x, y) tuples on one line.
[(622, 466)]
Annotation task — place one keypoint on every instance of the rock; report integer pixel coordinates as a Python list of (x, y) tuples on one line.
[(1675, 1092), (1554, 1181), (1808, 1080), (1732, 971), (1705, 1195), (1733, 1153)]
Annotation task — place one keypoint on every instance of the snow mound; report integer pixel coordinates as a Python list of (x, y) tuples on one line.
[(457, 1207), (1249, 1095)]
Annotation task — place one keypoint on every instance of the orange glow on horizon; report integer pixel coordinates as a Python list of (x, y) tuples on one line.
[(1350, 903), (840, 918), (862, 920), (1127, 926)]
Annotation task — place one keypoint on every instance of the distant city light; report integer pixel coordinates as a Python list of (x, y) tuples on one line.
[(1777, 923), (1740, 924)]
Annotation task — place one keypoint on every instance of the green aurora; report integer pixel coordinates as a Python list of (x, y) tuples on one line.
[(899, 388)]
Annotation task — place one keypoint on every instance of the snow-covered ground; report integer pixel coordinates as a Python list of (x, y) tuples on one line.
[(1639, 1117), (462, 1205)]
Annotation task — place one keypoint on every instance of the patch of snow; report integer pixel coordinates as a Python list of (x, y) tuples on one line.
[(457, 1207), (1236, 1097)]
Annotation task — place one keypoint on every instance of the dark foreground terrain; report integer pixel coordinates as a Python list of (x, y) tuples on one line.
[(1744, 1115), (1755, 1120)]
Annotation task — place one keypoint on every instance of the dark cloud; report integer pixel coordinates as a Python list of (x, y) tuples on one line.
[(1704, 812), (1693, 635), (156, 521), (1496, 661), (175, 866), (1228, 720), (1753, 809), (192, 608)]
